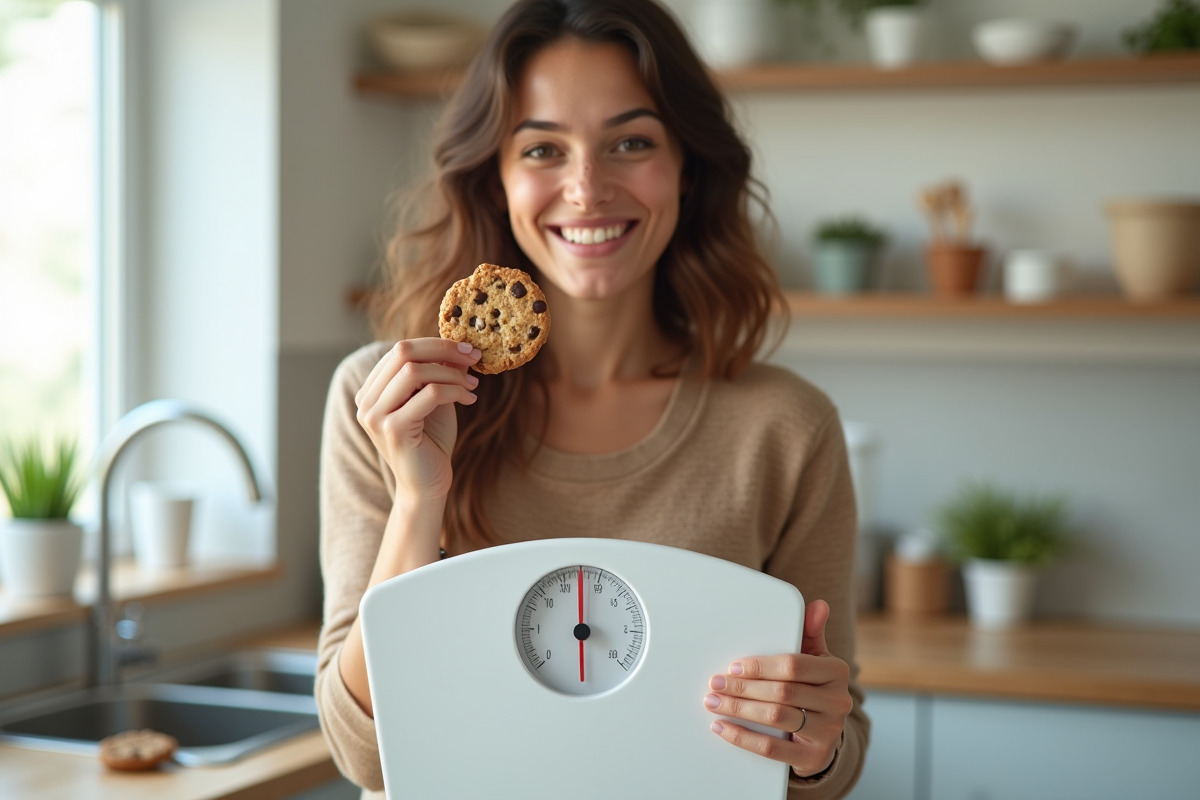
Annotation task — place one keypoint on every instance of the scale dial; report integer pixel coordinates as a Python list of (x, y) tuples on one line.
[(581, 630)]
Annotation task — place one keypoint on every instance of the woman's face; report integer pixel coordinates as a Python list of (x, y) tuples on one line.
[(591, 174)]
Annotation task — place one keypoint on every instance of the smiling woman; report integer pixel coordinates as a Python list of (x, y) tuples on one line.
[(47, 217), (590, 147)]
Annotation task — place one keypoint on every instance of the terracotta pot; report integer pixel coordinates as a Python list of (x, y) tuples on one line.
[(954, 268), (1156, 247)]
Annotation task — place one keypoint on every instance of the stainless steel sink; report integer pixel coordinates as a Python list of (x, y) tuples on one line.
[(214, 724), (266, 670)]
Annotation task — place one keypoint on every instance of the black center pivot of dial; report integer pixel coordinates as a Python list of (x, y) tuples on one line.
[(582, 631)]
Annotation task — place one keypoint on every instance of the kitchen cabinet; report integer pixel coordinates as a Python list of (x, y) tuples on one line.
[(899, 744), (1053, 709), (981, 748), (930, 747)]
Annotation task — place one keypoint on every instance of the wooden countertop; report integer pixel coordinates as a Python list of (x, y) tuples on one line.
[(1049, 661), (276, 773)]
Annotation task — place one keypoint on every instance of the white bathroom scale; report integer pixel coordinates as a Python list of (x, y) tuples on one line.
[(572, 667)]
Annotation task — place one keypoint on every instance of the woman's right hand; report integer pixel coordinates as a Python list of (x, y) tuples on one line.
[(406, 406)]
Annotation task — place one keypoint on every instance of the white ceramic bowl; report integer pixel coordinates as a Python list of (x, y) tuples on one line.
[(425, 40), (1020, 41)]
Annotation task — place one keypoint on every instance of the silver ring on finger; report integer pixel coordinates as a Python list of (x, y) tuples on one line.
[(803, 722)]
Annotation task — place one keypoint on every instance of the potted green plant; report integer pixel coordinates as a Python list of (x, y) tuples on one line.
[(40, 547), (1176, 27), (895, 29), (733, 33), (1002, 541), (845, 253)]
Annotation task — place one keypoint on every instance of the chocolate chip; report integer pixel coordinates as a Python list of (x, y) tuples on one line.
[(496, 328), (456, 311), (518, 289), (515, 349), (495, 313), (472, 321), (539, 306), (480, 298), (534, 330)]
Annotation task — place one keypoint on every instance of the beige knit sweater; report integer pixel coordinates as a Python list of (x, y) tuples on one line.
[(753, 470)]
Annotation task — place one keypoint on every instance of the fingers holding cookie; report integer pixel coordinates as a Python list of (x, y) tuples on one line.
[(500, 311), (406, 406), (413, 363), (137, 750)]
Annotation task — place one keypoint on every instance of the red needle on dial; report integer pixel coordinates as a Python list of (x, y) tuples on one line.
[(580, 587)]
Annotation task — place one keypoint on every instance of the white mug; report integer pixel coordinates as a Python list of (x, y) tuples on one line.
[(161, 521), (1034, 276)]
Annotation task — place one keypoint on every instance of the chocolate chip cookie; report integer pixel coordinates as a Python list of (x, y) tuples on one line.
[(501, 311), (137, 750)]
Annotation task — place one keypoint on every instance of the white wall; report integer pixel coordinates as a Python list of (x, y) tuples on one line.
[(207, 275), (1117, 433)]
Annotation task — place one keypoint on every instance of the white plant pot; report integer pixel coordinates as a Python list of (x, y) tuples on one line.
[(734, 33), (895, 35), (1000, 594), (39, 557)]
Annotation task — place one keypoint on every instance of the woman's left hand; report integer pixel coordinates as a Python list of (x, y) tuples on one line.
[(805, 694)]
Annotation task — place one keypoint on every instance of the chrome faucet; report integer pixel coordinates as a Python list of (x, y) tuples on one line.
[(103, 652)]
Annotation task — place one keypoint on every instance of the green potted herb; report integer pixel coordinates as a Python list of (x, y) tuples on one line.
[(1002, 541), (845, 254), (40, 547), (894, 28), (1176, 27)]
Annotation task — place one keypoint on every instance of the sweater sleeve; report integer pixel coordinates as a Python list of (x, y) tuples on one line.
[(816, 554), (355, 501)]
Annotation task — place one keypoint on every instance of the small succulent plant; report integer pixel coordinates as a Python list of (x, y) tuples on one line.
[(40, 484)]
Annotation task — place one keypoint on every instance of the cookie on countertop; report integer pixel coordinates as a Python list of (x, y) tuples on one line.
[(499, 310), (134, 751)]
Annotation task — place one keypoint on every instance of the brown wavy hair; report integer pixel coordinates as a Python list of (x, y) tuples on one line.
[(715, 295)]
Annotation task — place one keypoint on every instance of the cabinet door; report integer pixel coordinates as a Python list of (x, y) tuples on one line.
[(890, 771), (994, 751)]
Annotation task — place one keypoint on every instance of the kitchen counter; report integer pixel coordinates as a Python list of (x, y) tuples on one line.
[(272, 774), (1050, 661)]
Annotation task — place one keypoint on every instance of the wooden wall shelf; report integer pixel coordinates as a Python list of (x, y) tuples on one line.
[(20, 616), (967, 75), (919, 306), (899, 305), (804, 76)]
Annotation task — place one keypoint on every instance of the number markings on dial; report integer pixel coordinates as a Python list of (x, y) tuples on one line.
[(549, 635)]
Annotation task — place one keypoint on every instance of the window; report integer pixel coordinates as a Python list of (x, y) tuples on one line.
[(49, 267)]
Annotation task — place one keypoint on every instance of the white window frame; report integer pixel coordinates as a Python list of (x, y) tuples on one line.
[(118, 206)]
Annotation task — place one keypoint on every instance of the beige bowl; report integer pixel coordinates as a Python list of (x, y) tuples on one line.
[(1156, 246), (425, 40)]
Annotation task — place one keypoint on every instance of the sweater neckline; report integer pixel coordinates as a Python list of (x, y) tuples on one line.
[(680, 415)]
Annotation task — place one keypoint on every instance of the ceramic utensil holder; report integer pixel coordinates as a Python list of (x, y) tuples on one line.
[(917, 589)]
